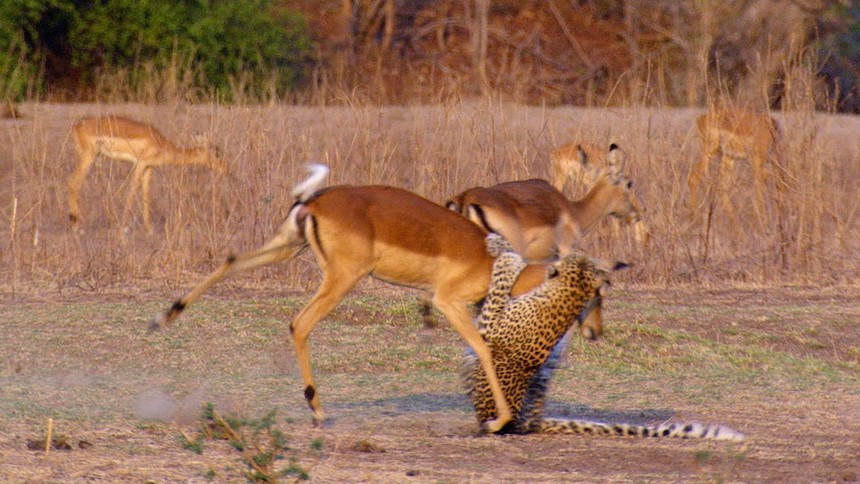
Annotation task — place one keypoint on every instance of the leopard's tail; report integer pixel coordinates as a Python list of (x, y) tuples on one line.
[(679, 430)]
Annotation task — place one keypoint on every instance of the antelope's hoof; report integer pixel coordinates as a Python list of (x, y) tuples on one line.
[(319, 422), (493, 426), (154, 325)]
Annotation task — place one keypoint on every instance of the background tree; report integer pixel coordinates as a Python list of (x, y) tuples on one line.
[(586, 52), (225, 42)]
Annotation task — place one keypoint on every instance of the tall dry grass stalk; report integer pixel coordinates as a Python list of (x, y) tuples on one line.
[(808, 232)]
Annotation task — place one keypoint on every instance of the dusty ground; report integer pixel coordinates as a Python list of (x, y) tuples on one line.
[(781, 365)]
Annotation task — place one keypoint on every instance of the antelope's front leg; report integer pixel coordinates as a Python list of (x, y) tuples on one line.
[(458, 315), (332, 290), (76, 182), (145, 183), (694, 180), (136, 177)]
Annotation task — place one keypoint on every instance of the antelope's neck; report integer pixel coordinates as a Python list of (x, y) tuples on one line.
[(589, 209)]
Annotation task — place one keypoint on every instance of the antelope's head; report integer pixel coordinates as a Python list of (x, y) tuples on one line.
[(628, 207), (207, 154)]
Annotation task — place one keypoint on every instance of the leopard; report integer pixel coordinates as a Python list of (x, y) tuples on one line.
[(526, 336)]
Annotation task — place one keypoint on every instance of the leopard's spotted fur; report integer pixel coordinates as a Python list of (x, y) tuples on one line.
[(525, 337)]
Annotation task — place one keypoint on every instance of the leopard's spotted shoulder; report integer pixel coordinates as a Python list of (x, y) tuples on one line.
[(506, 269), (497, 245)]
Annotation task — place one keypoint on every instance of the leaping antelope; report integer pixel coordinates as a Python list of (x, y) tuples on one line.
[(387, 233), (120, 138), (735, 134)]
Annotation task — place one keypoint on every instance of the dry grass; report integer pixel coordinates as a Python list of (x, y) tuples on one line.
[(810, 235)]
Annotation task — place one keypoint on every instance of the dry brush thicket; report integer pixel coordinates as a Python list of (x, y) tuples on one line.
[(808, 232), (661, 52)]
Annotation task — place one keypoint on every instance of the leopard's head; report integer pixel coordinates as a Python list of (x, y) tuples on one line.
[(586, 278)]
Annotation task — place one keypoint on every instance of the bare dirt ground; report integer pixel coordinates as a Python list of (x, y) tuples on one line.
[(781, 365)]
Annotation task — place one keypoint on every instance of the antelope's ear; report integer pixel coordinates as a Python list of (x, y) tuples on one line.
[(582, 156), (605, 289), (200, 140), (609, 266), (616, 160), (452, 205)]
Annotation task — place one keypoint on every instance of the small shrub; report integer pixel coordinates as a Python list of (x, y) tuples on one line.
[(261, 445)]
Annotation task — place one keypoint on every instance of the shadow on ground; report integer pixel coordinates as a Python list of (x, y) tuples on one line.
[(438, 402)]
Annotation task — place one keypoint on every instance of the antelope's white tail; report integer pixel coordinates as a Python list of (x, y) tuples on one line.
[(305, 189)]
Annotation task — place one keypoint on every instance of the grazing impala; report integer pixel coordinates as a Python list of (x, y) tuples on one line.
[(121, 138), (390, 234), (736, 134)]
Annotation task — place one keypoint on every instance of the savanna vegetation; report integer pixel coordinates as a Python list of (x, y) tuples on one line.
[(745, 317), (435, 97), (584, 52)]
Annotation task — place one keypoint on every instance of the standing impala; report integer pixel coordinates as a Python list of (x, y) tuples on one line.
[(387, 233), (121, 138), (577, 163), (736, 134)]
